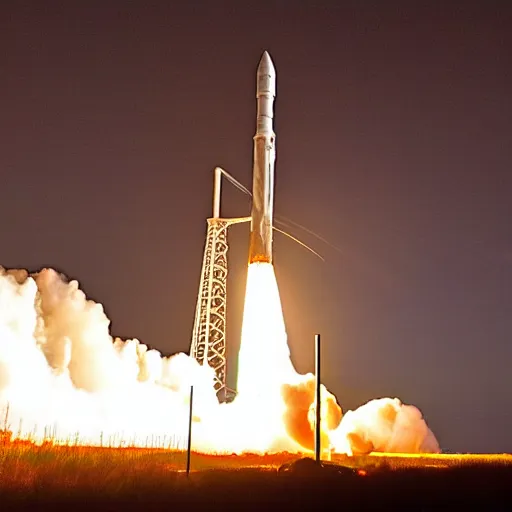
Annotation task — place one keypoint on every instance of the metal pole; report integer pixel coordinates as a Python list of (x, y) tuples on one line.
[(216, 192), (318, 440), (189, 441)]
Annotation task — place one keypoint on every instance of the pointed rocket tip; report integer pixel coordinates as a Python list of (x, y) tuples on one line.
[(266, 65)]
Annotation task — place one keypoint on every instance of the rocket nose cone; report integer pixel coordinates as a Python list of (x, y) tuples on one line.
[(266, 66), (266, 76)]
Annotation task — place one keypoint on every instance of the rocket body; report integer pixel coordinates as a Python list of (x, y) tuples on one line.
[(260, 249)]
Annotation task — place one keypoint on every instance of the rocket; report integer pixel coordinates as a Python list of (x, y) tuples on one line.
[(260, 249)]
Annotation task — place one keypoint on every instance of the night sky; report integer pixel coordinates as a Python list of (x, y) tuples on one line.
[(394, 143)]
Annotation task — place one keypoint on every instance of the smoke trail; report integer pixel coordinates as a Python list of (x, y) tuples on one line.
[(61, 371)]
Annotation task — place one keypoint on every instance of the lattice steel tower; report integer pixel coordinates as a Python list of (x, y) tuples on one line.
[(209, 334)]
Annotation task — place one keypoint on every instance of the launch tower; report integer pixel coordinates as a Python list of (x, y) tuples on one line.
[(209, 334)]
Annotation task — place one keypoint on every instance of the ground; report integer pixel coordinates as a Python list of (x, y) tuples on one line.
[(108, 479)]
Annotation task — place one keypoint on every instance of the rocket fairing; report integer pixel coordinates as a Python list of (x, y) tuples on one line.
[(260, 249)]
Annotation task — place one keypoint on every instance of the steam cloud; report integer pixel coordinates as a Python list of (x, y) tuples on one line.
[(62, 375)]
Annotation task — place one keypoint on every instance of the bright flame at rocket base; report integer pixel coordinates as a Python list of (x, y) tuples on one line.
[(64, 378), (266, 375), (264, 357)]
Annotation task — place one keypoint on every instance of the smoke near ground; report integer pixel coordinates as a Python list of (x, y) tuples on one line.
[(63, 376), (300, 415), (384, 425)]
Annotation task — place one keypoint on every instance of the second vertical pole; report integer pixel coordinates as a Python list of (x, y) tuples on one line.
[(318, 438), (189, 440)]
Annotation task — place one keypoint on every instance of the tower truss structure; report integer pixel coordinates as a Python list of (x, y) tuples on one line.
[(209, 333)]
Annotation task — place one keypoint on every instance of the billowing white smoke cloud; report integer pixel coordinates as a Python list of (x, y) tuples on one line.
[(60, 368), (62, 375), (384, 425)]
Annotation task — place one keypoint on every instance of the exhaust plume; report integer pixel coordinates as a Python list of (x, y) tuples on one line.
[(64, 377)]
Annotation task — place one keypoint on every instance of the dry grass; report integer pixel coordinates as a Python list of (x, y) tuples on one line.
[(45, 473), (408, 461), (27, 466)]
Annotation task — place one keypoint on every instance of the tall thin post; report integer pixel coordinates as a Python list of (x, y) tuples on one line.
[(216, 191), (318, 439), (189, 441)]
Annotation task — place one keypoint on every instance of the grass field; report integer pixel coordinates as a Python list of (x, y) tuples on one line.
[(31, 474), (440, 461)]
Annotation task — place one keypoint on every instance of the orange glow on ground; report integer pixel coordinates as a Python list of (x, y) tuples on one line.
[(25, 452)]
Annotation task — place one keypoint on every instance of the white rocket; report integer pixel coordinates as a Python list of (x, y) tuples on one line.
[(260, 249)]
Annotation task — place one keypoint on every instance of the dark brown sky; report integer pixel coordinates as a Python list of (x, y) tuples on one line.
[(394, 142)]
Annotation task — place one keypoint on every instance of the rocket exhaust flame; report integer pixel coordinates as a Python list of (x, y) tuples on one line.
[(264, 359)]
